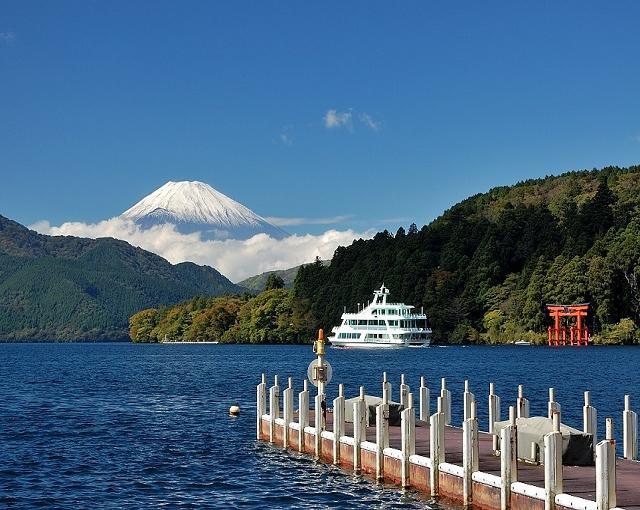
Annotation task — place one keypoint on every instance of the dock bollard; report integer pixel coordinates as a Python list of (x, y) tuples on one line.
[(261, 404), (338, 423), (425, 403), (508, 459), (303, 414), (287, 412), (629, 431), (470, 452), (494, 416), (359, 429), (606, 470), (522, 405), (590, 419), (467, 398), (446, 402), (553, 406), (318, 423), (436, 446), (382, 437), (274, 408), (408, 439), (553, 463)]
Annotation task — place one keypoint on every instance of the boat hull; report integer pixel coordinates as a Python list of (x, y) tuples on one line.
[(377, 345)]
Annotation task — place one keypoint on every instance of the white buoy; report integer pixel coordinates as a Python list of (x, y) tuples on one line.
[(234, 410)]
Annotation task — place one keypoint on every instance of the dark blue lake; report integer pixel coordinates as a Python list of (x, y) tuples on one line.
[(134, 426)]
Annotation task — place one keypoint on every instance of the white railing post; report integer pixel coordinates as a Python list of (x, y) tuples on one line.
[(261, 404), (629, 431), (408, 444), (590, 418), (382, 437), (274, 408), (404, 391), (522, 405), (303, 414), (606, 470), (436, 446), (359, 429), (508, 459), (553, 464), (338, 423), (470, 457), (553, 406), (287, 412), (446, 402), (467, 398), (386, 388), (425, 401), (494, 416)]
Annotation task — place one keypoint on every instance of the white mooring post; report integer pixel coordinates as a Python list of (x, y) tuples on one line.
[(508, 459), (553, 406), (404, 392), (436, 446), (522, 405), (425, 401), (470, 458), (274, 408), (446, 402), (494, 416), (629, 431), (382, 437), (338, 423), (408, 434), (386, 388), (261, 404), (590, 418), (318, 424), (467, 398), (553, 464), (359, 429), (287, 411), (303, 414), (606, 470)]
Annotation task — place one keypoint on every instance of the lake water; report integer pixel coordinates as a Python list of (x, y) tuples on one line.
[(131, 426)]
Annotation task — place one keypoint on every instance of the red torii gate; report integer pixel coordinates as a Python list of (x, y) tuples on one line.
[(579, 333)]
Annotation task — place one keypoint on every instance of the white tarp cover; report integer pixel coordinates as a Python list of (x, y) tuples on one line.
[(371, 403)]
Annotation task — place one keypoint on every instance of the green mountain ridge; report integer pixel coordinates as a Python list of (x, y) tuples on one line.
[(256, 283), (69, 288)]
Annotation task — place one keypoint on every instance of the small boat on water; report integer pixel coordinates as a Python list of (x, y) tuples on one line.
[(521, 342), (382, 324)]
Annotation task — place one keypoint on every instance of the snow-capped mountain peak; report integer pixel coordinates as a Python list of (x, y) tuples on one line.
[(194, 206)]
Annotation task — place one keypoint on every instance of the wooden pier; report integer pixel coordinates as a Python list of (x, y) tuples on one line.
[(459, 465)]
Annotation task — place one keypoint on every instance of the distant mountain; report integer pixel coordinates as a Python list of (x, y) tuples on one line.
[(256, 284), (70, 288), (194, 206)]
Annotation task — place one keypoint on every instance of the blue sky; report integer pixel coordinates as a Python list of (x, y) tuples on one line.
[(102, 102)]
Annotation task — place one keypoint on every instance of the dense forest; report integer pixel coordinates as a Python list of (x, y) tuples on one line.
[(69, 288), (485, 269)]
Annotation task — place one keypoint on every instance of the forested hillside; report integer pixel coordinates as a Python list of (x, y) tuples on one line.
[(485, 268), (69, 288)]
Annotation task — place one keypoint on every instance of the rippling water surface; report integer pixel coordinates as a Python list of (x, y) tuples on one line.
[(132, 426)]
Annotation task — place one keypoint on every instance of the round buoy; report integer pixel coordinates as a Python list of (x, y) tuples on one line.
[(234, 410)]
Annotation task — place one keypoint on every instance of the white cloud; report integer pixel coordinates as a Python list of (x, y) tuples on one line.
[(287, 222), (7, 37), (368, 121), (286, 138), (335, 119), (233, 258)]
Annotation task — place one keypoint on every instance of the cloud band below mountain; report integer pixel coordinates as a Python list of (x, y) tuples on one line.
[(234, 258)]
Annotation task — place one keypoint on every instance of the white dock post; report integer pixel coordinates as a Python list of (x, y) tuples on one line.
[(590, 418), (261, 404), (522, 404), (553, 463), (508, 459), (436, 446), (338, 423), (470, 456), (553, 406), (318, 424), (629, 431), (467, 398), (274, 408), (287, 413), (494, 416), (446, 402), (408, 444), (386, 388), (425, 401), (359, 429), (303, 414), (404, 391), (382, 437), (606, 470)]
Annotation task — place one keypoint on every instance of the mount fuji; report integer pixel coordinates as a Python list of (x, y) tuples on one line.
[(194, 206)]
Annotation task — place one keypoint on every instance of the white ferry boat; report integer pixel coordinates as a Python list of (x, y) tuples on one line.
[(382, 324)]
